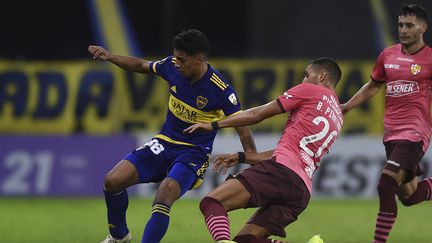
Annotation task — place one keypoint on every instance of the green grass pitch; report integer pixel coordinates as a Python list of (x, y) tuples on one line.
[(72, 220)]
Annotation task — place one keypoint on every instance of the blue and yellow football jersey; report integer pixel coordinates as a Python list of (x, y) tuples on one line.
[(207, 100)]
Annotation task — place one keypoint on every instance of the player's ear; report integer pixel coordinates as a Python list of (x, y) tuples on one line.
[(322, 75), (201, 58), (423, 26)]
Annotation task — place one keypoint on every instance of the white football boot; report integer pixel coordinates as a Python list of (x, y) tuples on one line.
[(111, 239)]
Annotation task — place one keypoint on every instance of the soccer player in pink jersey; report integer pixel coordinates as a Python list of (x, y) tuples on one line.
[(406, 70), (280, 182)]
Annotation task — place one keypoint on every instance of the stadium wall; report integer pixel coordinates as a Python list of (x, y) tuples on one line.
[(99, 98), (76, 165)]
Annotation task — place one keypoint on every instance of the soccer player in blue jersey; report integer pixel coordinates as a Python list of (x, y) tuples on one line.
[(198, 93)]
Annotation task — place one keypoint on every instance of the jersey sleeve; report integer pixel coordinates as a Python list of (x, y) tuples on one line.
[(292, 98), (162, 67), (378, 72), (230, 102)]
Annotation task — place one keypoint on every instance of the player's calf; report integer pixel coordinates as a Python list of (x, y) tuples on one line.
[(423, 193), (216, 219)]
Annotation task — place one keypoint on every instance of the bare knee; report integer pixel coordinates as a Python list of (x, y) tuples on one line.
[(121, 176), (112, 184), (168, 192)]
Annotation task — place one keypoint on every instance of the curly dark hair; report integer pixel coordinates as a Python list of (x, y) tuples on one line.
[(416, 10), (192, 42)]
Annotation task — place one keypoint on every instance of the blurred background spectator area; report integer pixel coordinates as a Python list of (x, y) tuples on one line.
[(50, 84)]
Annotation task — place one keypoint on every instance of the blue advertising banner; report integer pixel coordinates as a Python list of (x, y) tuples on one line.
[(58, 165)]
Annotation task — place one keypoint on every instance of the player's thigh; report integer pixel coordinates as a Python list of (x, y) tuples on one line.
[(232, 194), (272, 220), (398, 176), (121, 176), (151, 161), (253, 229)]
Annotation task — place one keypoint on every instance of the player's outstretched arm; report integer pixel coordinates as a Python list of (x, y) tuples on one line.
[(129, 63), (226, 161), (246, 138), (365, 93), (247, 117)]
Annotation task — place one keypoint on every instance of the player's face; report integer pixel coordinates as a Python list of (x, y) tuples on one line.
[(310, 75), (410, 29), (188, 65)]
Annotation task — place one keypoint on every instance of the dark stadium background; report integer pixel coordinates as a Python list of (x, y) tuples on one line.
[(52, 30)]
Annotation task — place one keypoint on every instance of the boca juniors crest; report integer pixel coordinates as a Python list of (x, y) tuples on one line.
[(201, 102), (415, 69)]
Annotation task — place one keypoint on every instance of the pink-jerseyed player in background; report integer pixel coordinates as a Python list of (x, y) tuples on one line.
[(406, 70), (279, 183)]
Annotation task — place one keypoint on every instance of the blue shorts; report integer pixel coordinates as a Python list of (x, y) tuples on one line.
[(158, 159)]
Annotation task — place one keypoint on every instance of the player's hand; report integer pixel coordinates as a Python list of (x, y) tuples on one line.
[(99, 52), (225, 161), (200, 126)]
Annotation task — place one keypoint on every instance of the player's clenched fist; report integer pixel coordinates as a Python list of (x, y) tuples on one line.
[(99, 52)]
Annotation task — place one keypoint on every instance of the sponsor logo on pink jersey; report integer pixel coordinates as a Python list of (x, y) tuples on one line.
[(401, 88), (391, 66)]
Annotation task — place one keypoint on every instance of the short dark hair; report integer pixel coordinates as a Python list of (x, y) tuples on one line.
[(414, 9), (192, 42), (329, 65)]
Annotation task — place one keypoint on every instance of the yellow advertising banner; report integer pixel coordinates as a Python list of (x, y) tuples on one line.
[(99, 98)]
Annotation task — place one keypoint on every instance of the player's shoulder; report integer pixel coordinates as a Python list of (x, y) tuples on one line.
[(427, 50), (169, 60), (162, 64), (396, 48), (218, 81)]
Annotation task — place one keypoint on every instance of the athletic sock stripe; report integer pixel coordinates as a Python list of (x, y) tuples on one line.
[(212, 220), (222, 227), (384, 225), (224, 232), (161, 208), (216, 224), (384, 231), (218, 227), (162, 212), (161, 205), (221, 236), (381, 238), (386, 218)]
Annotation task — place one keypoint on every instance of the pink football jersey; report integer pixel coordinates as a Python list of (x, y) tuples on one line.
[(408, 93), (314, 124)]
